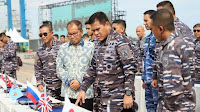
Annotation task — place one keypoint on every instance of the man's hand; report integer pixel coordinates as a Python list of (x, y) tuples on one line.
[(154, 83), (128, 101), (81, 98), (74, 84), (143, 85), (40, 88), (18, 67)]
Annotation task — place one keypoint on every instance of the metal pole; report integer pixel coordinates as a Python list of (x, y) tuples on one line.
[(23, 22), (8, 3)]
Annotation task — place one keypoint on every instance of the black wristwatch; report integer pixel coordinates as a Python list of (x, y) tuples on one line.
[(128, 93)]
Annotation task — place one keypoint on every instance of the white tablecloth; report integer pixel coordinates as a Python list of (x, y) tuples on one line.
[(7, 105)]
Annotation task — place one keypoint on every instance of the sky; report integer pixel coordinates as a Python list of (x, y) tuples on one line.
[(186, 10)]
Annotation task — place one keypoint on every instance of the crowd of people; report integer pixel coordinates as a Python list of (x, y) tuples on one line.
[(98, 67)]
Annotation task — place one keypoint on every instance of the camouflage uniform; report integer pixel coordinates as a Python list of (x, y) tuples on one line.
[(45, 68), (175, 75), (113, 66), (197, 52), (93, 40), (140, 54), (9, 62), (184, 31), (1, 58), (151, 94)]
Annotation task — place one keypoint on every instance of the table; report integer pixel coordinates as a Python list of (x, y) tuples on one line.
[(7, 105)]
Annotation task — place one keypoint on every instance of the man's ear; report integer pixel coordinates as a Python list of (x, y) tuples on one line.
[(123, 29), (107, 23), (162, 29), (81, 32)]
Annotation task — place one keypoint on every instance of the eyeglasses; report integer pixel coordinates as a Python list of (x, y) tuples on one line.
[(45, 34), (196, 30), (73, 34)]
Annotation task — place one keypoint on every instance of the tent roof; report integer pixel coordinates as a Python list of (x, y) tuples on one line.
[(15, 36)]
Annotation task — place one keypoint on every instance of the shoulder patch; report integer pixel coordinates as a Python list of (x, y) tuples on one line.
[(164, 59), (183, 32), (125, 52)]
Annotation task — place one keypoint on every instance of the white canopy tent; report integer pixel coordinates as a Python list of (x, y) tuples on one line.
[(15, 36)]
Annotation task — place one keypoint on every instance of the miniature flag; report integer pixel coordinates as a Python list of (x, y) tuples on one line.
[(44, 105), (15, 91), (68, 105), (9, 84), (3, 83), (32, 93)]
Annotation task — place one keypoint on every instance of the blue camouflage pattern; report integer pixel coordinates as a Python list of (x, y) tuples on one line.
[(9, 61), (113, 68), (197, 65), (184, 31), (151, 94), (45, 68), (175, 75)]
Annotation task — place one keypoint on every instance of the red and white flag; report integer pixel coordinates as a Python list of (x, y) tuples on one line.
[(2, 82), (68, 105)]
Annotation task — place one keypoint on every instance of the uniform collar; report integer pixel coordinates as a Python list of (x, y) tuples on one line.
[(169, 39), (177, 20), (196, 41), (81, 43), (52, 44), (107, 39)]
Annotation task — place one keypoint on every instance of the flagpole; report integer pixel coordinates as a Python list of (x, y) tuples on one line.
[(6, 85), (0, 85), (28, 98)]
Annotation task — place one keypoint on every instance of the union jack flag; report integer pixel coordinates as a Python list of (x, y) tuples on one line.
[(44, 105), (14, 85)]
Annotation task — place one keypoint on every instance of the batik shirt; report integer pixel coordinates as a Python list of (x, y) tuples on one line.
[(72, 63)]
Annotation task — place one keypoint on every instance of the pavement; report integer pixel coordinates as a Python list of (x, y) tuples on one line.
[(26, 72), (27, 58)]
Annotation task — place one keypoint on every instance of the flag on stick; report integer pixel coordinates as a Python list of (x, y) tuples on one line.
[(15, 91)]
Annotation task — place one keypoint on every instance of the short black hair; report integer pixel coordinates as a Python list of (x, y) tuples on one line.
[(85, 35), (48, 26), (87, 22), (56, 35), (98, 16), (62, 36), (163, 18), (167, 5), (150, 12), (75, 22), (121, 22), (2, 34), (196, 25)]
